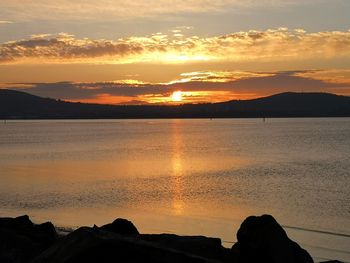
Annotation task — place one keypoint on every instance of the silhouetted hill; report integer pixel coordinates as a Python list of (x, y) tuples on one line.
[(21, 105)]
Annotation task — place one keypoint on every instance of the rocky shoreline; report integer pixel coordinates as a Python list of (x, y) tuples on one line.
[(260, 239)]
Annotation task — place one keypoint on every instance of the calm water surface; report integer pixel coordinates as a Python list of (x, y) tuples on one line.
[(184, 176)]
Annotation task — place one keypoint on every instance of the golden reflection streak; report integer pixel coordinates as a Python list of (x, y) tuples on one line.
[(177, 167)]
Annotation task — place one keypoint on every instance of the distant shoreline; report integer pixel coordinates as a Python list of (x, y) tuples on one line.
[(16, 105)]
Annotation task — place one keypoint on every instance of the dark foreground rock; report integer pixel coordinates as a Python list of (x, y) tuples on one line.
[(121, 226), (260, 239), (21, 240), (196, 245), (90, 245)]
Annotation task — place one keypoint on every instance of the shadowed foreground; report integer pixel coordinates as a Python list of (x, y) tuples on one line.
[(260, 239)]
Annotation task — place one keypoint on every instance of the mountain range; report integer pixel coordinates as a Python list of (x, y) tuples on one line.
[(21, 105)]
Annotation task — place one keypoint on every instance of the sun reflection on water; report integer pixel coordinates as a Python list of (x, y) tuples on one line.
[(177, 169)]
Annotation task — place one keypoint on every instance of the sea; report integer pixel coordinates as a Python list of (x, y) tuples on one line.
[(183, 176)]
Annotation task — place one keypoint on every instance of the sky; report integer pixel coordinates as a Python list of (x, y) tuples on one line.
[(180, 51)]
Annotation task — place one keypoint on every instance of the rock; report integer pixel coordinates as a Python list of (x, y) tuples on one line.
[(331, 261), (90, 245), (197, 245), (121, 226), (21, 240), (262, 239)]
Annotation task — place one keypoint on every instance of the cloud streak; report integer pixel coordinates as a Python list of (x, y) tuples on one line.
[(198, 87), (5, 22), (114, 10), (271, 45)]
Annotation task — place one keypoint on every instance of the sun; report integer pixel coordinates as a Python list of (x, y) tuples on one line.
[(176, 96)]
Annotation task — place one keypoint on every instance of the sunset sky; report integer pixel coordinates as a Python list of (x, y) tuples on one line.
[(138, 52)]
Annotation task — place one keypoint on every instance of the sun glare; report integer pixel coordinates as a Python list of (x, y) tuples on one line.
[(176, 96)]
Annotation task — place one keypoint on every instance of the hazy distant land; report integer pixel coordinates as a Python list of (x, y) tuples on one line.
[(21, 105)]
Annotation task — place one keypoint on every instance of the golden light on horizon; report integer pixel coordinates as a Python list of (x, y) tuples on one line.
[(177, 96)]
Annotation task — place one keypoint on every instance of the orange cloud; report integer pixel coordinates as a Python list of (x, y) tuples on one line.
[(331, 76), (218, 76), (265, 46)]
